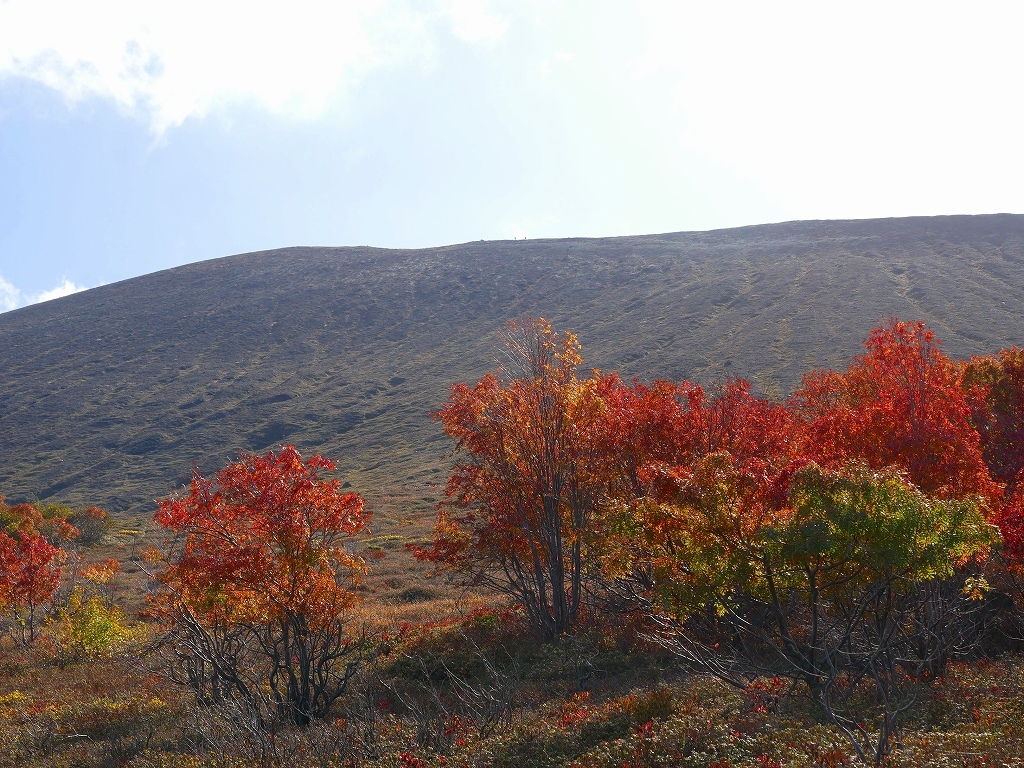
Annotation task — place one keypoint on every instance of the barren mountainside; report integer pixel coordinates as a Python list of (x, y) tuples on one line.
[(109, 396)]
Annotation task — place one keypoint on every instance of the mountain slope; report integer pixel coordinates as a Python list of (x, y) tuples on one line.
[(109, 396)]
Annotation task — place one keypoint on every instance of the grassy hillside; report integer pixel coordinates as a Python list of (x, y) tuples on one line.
[(109, 396)]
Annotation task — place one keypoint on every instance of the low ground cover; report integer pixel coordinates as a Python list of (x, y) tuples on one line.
[(477, 690)]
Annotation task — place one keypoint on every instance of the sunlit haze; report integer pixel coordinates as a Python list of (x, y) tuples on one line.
[(137, 136)]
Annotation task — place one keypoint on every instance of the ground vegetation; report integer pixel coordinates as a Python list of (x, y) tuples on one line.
[(622, 573)]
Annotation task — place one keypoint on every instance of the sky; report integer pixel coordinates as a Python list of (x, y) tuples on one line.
[(137, 136)]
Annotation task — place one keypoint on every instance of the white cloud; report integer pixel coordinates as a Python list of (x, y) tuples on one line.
[(64, 288), (169, 62), (12, 298)]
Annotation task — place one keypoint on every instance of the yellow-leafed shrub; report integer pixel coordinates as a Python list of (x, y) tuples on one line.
[(90, 628)]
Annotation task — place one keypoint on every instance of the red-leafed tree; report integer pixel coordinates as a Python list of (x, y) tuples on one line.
[(995, 386), (1011, 527), (735, 421), (672, 424), (753, 560), (644, 423), (258, 584), (519, 508), (675, 437), (30, 571), (901, 404)]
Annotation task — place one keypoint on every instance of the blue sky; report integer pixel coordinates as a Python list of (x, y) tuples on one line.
[(137, 136)]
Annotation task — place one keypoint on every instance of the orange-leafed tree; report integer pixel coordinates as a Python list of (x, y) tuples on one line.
[(901, 404), (258, 583), (520, 505), (47, 520)]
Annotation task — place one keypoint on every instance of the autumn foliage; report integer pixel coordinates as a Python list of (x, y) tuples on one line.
[(553, 459), (48, 521), (258, 584), (816, 536), (264, 538), (901, 404), (724, 442), (519, 510), (31, 564), (995, 386), (30, 570)]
